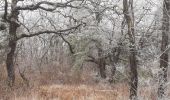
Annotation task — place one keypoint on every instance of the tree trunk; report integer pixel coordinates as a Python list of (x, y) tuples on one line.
[(10, 63), (164, 46), (101, 63), (10, 56), (13, 25), (102, 68), (129, 16), (133, 74)]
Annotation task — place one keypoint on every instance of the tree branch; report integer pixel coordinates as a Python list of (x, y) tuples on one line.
[(68, 43), (54, 5), (48, 32), (5, 16), (92, 59)]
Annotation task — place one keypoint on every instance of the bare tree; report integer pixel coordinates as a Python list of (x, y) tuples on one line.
[(164, 48), (129, 16), (14, 24)]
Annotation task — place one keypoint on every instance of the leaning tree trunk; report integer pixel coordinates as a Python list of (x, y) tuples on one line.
[(164, 46), (13, 25), (129, 16)]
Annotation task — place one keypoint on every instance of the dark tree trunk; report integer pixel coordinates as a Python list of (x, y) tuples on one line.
[(10, 56), (102, 68), (101, 63), (133, 74), (129, 16), (10, 63), (114, 59), (13, 25), (164, 46)]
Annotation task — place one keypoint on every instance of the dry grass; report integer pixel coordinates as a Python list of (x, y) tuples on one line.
[(84, 92), (53, 86), (73, 92), (68, 92), (81, 92)]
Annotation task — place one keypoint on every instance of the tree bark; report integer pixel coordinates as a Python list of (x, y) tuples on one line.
[(129, 16), (133, 74), (13, 25), (102, 68), (10, 63), (101, 63), (164, 46)]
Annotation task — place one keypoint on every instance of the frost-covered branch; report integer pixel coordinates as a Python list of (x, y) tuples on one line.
[(49, 32), (54, 5)]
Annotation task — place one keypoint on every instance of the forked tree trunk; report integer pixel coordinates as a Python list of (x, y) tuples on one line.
[(100, 61), (129, 16), (164, 46)]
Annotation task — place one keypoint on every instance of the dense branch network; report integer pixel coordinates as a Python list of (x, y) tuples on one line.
[(49, 32)]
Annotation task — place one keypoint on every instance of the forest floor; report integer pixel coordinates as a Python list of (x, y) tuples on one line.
[(71, 92), (79, 92), (45, 88)]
